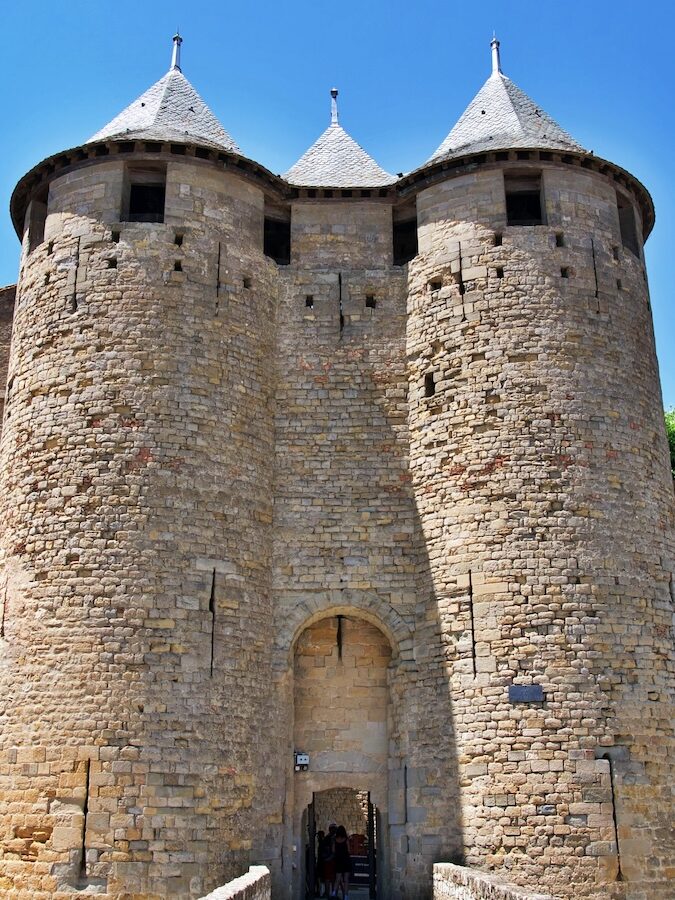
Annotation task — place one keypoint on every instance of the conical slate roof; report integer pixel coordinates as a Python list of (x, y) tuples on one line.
[(500, 117), (336, 160), (171, 110)]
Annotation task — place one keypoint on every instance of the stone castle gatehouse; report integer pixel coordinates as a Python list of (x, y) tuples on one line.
[(367, 468)]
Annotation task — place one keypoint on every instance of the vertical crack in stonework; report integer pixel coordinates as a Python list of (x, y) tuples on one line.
[(73, 297), (595, 269), (85, 813), (212, 610), (220, 249), (473, 625)]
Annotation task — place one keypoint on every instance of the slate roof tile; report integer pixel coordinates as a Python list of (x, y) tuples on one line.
[(500, 117), (170, 110), (335, 160)]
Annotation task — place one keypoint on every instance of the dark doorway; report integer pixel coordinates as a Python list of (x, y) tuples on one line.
[(354, 810)]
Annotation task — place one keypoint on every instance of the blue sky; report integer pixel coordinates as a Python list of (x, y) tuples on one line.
[(603, 70)]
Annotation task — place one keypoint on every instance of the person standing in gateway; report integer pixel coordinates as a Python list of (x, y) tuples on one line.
[(343, 863)]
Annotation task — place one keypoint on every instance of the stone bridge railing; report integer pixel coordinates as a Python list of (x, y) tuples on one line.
[(459, 883), (255, 885)]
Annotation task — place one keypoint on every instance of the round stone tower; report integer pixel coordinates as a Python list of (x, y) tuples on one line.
[(136, 504), (541, 473)]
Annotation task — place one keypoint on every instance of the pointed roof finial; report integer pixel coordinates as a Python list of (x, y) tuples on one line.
[(496, 62), (175, 57), (333, 106)]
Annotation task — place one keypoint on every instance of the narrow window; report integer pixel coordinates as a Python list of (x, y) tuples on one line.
[(371, 302), (50, 248), (615, 253), (277, 241), (564, 272), (115, 237), (497, 239), (559, 239), (435, 285), (178, 240), (346, 193), (145, 194), (246, 281), (619, 286), (627, 227), (37, 220), (523, 198), (178, 266), (429, 385), (500, 272), (112, 262), (405, 241), (47, 277), (309, 301)]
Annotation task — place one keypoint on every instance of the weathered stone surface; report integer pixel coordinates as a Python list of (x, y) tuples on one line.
[(255, 885), (201, 471)]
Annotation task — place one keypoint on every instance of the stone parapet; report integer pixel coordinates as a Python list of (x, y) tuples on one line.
[(459, 883), (254, 885)]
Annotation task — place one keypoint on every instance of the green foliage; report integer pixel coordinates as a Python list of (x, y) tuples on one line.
[(670, 431)]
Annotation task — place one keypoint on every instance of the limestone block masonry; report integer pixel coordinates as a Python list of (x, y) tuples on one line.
[(459, 883), (254, 885), (408, 513)]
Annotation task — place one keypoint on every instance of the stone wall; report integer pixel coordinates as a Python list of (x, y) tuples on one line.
[(255, 885), (540, 468), (347, 538), (342, 806), (459, 883), (7, 298), (207, 459), (136, 550)]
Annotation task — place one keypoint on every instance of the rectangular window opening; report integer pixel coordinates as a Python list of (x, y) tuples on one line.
[(202, 153), (246, 281), (37, 220), (615, 253), (112, 262), (429, 385), (178, 266), (497, 239), (559, 239), (405, 241), (178, 240), (629, 237), (371, 302), (277, 241), (523, 198), (500, 272), (145, 194), (115, 237), (435, 285), (50, 248), (346, 193), (619, 286), (564, 272), (309, 301)]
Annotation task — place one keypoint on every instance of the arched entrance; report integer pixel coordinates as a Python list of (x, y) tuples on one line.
[(343, 722)]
